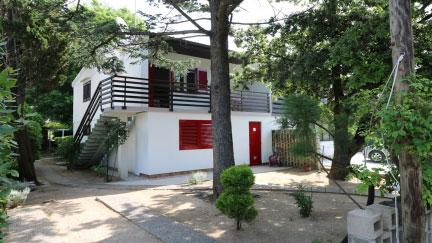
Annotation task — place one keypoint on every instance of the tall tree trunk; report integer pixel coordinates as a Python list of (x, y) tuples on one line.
[(223, 154), (413, 210), (25, 155), (341, 141)]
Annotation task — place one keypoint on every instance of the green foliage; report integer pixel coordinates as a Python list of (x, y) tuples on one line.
[(7, 144), (377, 177), (408, 125), (302, 112), (67, 148), (236, 201), (59, 103), (117, 134), (303, 201), (100, 170), (338, 52)]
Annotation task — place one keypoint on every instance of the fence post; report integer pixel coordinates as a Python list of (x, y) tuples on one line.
[(210, 99), (124, 95), (111, 93), (100, 97), (171, 98), (241, 100), (269, 104)]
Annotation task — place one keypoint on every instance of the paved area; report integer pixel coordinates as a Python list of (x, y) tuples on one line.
[(163, 227), (79, 219), (65, 210), (134, 180), (266, 178)]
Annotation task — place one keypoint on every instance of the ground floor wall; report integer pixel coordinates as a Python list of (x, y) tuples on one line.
[(153, 146)]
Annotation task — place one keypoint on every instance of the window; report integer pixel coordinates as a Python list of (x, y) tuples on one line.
[(195, 134), (87, 91), (195, 79)]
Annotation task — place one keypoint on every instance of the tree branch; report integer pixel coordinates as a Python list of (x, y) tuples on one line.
[(188, 17), (323, 156), (425, 18), (179, 32), (233, 5), (324, 128)]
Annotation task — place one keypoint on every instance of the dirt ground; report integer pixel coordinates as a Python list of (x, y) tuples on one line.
[(60, 213), (278, 219)]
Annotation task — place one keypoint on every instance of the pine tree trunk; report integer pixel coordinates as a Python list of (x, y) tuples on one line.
[(341, 141), (223, 155), (25, 155), (413, 210)]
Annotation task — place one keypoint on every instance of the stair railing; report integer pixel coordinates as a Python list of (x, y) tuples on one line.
[(90, 112)]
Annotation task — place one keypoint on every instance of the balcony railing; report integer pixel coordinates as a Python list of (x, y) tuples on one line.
[(129, 93)]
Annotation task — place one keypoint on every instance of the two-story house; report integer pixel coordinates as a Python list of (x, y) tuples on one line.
[(168, 115)]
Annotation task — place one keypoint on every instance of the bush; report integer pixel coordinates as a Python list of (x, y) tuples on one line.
[(197, 177), (304, 202), (100, 169), (66, 148), (17, 197), (236, 201)]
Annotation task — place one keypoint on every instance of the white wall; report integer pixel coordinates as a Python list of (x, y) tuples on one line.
[(79, 107), (157, 141)]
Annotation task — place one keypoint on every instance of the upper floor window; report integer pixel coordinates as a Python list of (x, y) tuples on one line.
[(195, 79), (87, 91)]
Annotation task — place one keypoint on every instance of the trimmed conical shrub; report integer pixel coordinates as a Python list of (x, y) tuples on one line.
[(236, 200)]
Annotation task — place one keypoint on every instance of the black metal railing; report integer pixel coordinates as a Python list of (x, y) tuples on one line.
[(124, 92), (278, 106), (90, 112)]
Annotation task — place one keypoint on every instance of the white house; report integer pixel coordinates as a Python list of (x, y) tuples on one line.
[(168, 116)]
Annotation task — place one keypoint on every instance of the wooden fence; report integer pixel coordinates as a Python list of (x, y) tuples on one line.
[(281, 143)]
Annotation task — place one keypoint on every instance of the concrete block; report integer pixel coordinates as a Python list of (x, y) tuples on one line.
[(388, 215), (354, 239), (364, 224), (386, 237)]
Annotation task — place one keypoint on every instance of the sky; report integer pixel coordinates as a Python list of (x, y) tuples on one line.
[(248, 11)]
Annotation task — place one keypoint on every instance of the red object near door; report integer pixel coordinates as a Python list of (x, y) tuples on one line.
[(255, 143)]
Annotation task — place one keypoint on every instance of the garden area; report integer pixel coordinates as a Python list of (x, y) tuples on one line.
[(69, 206)]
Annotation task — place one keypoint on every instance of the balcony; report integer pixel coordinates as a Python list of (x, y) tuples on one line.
[(138, 94)]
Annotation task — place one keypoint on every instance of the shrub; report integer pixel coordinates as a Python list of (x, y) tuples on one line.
[(99, 169), (66, 148), (197, 177), (17, 197), (304, 202), (236, 201)]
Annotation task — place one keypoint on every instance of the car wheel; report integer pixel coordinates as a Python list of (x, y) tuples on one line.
[(376, 156)]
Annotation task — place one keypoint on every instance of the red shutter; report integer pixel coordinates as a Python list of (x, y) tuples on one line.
[(202, 79), (195, 134)]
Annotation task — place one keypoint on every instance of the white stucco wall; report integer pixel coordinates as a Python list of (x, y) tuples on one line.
[(157, 141), (79, 107)]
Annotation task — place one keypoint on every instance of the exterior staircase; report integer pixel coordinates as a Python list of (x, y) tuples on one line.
[(92, 150)]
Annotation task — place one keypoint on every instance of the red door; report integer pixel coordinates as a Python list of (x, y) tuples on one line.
[(255, 143)]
